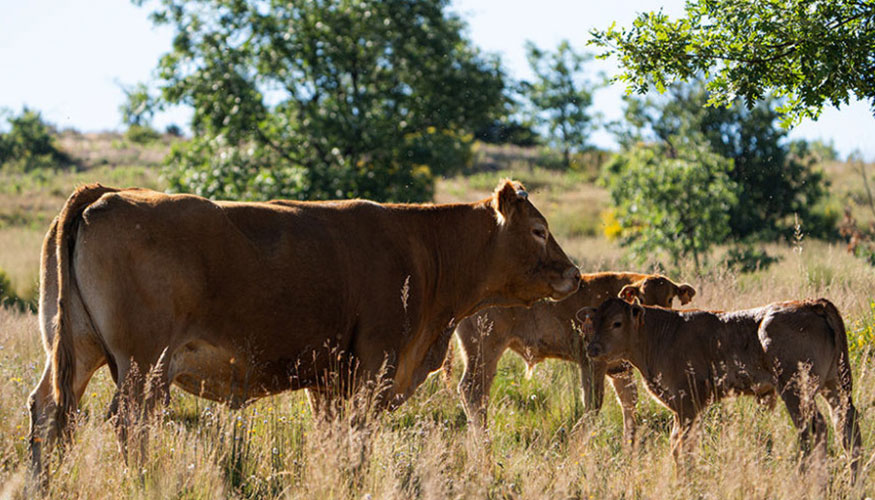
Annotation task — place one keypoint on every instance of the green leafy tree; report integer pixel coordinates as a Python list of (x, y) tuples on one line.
[(30, 143), (678, 203), (137, 111), (812, 52), (323, 99), (773, 185), (560, 96)]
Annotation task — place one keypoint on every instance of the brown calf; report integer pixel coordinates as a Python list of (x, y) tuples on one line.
[(690, 359), (547, 330)]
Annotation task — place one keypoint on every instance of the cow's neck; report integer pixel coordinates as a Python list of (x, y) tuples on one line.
[(459, 266)]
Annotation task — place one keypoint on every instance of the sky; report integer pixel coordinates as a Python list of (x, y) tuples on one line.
[(70, 59)]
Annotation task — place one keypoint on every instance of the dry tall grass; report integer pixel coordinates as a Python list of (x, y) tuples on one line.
[(276, 449)]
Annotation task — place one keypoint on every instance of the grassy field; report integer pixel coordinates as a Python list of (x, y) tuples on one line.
[(275, 448)]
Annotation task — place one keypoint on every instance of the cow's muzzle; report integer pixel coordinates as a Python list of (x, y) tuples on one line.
[(594, 350), (568, 285)]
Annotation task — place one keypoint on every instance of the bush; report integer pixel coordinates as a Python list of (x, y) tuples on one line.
[(30, 144), (747, 259), (10, 300), (142, 134), (677, 204)]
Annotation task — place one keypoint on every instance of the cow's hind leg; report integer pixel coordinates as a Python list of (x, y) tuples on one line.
[(41, 403), (41, 406), (138, 392)]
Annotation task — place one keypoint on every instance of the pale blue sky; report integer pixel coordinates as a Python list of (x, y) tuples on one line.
[(66, 58)]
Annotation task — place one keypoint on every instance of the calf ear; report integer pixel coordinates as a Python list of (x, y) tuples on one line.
[(584, 316), (637, 314), (630, 293), (686, 293), (507, 198)]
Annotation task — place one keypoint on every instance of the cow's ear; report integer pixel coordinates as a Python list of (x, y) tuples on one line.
[(637, 314), (686, 293), (507, 198), (630, 293)]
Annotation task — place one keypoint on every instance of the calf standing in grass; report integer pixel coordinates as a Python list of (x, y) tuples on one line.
[(547, 330), (690, 359)]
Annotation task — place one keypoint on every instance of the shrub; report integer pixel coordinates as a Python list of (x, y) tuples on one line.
[(30, 144), (747, 259), (142, 134), (10, 300), (679, 204)]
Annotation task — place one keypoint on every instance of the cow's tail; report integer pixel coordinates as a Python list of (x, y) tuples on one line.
[(834, 320), (63, 355)]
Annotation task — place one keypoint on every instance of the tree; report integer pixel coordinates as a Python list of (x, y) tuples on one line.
[(772, 184), (678, 202), (560, 97), (323, 99), (139, 107), (812, 52), (30, 143)]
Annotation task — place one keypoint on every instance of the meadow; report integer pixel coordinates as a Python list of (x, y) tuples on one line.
[(540, 446)]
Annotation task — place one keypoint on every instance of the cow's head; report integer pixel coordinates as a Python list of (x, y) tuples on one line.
[(532, 264), (657, 290), (611, 329)]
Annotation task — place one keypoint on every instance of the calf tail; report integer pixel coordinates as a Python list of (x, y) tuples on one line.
[(63, 355), (837, 325)]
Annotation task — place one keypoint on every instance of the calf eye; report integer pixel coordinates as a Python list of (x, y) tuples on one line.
[(539, 233), (617, 324)]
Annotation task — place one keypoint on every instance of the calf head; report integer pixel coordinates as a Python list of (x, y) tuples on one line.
[(611, 329), (531, 264), (657, 290)]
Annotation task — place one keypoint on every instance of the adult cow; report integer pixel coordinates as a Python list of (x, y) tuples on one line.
[(690, 359), (548, 330), (235, 301)]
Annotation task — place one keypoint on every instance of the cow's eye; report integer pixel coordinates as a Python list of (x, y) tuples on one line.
[(617, 324), (540, 233)]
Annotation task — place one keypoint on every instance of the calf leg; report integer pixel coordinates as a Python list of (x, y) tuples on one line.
[(475, 384), (846, 421), (592, 383), (627, 395), (809, 422), (682, 438)]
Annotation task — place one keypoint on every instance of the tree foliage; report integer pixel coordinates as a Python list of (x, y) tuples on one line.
[(812, 52), (678, 203), (772, 184), (561, 96), (30, 143), (323, 99)]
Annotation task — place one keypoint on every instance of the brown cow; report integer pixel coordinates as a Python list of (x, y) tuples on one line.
[(690, 359), (547, 330), (236, 301)]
